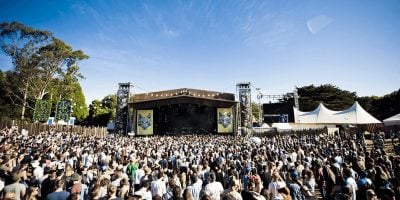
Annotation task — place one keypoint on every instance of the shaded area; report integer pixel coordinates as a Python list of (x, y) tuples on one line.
[(185, 118)]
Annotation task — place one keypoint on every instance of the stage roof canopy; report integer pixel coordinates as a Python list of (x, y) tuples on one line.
[(183, 95), (322, 115)]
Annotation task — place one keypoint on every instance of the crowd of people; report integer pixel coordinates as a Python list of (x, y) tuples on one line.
[(57, 166)]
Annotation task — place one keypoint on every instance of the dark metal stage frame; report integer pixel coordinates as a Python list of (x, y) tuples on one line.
[(183, 111)]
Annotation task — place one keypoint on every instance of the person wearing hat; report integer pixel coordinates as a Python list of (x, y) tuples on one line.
[(283, 190), (295, 186), (78, 187), (364, 184), (16, 187)]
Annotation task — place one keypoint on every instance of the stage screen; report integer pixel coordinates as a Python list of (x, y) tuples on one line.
[(278, 112), (145, 122), (225, 120), (185, 118)]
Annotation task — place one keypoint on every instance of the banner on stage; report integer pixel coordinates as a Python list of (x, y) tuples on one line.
[(225, 120), (144, 122)]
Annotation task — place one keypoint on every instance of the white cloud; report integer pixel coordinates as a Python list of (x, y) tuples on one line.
[(170, 33), (318, 23), (270, 33)]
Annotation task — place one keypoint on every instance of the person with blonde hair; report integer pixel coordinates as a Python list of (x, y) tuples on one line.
[(112, 193), (95, 193), (32, 193), (371, 195)]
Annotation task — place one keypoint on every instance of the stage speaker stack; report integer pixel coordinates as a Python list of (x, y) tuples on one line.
[(244, 90), (122, 110), (63, 111)]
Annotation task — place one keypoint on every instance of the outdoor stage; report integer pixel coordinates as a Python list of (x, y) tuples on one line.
[(184, 111)]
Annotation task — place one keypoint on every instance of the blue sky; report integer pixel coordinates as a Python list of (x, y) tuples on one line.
[(213, 44)]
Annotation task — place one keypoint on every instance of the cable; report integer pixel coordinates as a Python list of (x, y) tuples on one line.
[(137, 86), (229, 87)]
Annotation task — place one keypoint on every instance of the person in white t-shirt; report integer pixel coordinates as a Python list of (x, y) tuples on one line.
[(214, 188), (350, 182), (38, 171), (273, 187), (158, 187)]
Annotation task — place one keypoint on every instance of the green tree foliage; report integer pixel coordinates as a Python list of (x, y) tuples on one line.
[(109, 102), (5, 102), (255, 111), (382, 107), (8, 109), (332, 97), (102, 111), (21, 43), (98, 115), (367, 103), (71, 90), (80, 110), (57, 60), (44, 66)]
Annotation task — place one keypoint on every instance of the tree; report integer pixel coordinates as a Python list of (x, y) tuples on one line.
[(98, 114), (109, 102), (5, 104), (331, 96), (255, 111), (382, 107), (57, 60), (80, 110), (9, 109), (102, 111), (21, 43), (41, 64)]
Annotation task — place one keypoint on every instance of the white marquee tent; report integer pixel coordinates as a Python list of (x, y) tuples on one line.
[(322, 115), (393, 120)]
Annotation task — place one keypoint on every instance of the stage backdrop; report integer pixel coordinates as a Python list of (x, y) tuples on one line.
[(144, 122), (225, 120)]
